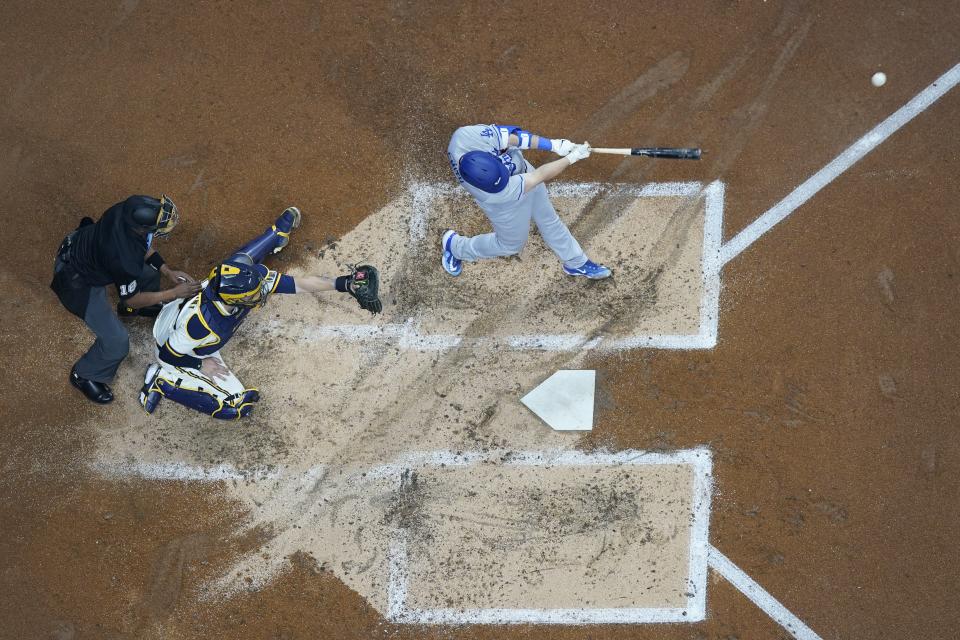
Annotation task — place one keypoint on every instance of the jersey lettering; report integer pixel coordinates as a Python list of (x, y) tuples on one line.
[(508, 162)]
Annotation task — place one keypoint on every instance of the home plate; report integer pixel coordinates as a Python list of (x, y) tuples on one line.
[(564, 400), (563, 537)]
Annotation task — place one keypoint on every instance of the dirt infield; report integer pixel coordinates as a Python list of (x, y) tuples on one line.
[(828, 403)]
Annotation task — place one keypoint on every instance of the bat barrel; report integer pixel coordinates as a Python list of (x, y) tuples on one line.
[(653, 152), (667, 152)]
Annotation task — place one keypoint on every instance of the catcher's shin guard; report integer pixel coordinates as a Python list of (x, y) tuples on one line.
[(150, 393), (229, 408), (272, 240)]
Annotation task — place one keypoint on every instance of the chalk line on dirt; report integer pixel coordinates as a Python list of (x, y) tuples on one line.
[(759, 596)]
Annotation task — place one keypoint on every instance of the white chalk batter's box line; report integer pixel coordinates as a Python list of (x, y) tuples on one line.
[(695, 610), (182, 471), (408, 336)]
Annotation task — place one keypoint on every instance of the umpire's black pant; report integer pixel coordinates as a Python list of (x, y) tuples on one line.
[(101, 361)]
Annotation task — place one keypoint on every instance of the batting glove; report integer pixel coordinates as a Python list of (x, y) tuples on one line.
[(561, 146), (579, 152)]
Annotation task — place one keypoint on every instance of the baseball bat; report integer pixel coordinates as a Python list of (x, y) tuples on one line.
[(653, 152)]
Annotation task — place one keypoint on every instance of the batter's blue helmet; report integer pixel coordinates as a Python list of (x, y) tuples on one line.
[(484, 171)]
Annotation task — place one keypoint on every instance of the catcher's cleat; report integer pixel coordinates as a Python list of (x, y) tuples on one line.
[(451, 264), (245, 404), (287, 222), (150, 395), (589, 270)]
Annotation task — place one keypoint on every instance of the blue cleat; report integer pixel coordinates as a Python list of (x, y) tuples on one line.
[(451, 264), (287, 222), (590, 270)]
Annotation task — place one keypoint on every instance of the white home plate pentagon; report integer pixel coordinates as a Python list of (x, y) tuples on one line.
[(563, 538), (564, 400)]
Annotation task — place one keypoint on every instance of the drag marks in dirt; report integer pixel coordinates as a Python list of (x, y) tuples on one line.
[(166, 581), (641, 517), (746, 119), (659, 77), (684, 288)]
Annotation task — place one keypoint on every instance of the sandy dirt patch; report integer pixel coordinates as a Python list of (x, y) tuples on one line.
[(345, 392)]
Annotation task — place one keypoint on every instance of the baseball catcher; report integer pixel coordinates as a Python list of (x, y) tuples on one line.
[(190, 332)]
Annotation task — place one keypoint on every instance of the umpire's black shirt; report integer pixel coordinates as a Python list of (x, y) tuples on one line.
[(110, 251)]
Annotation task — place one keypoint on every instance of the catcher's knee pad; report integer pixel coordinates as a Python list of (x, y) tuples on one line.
[(273, 239), (229, 408)]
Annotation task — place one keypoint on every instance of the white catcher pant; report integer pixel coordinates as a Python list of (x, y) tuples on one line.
[(511, 228), (225, 389)]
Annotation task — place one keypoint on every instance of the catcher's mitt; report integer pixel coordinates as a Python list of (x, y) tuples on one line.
[(364, 285)]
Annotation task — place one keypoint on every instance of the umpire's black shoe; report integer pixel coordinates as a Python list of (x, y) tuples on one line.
[(96, 391), (145, 312)]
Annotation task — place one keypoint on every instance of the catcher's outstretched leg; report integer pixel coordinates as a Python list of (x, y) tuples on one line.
[(270, 241)]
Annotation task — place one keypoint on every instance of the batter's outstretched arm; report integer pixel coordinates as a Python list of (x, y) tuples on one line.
[(523, 139), (543, 173), (551, 170), (534, 142)]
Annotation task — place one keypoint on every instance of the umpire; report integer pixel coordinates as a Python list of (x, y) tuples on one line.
[(117, 249)]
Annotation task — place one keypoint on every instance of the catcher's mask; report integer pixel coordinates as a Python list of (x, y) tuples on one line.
[(237, 284), (168, 218), (159, 217)]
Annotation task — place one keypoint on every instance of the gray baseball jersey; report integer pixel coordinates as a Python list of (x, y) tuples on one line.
[(511, 209)]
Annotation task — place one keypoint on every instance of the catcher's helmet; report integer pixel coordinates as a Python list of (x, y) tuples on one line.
[(158, 216), (484, 171), (235, 283)]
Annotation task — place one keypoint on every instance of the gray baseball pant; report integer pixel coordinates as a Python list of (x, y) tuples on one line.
[(511, 228)]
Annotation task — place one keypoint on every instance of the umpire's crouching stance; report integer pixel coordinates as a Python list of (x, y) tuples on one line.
[(115, 250)]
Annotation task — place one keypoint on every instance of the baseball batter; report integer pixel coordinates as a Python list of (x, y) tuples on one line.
[(487, 160), (190, 332)]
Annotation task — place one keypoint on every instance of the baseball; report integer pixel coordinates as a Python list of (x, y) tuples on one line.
[(878, 79)]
